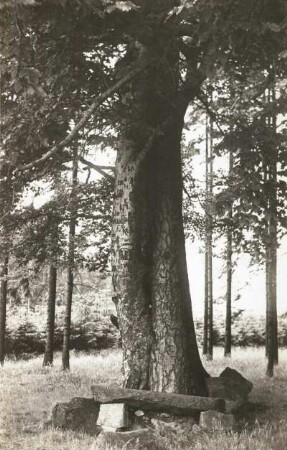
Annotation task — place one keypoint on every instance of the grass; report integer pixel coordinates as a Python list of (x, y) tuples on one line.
[(28, 392)]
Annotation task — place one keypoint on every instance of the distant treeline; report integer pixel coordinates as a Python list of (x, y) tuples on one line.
[(26, 336)]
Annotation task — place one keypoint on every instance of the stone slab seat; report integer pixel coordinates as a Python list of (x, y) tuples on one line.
[(178, 404)]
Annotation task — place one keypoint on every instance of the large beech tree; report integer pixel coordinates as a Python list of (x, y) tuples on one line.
[(164, 49), (150, 276)]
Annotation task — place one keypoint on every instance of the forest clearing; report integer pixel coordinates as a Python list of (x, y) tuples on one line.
[(29, 391)]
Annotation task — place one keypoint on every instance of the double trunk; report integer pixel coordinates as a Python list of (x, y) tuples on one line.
[(148, 257)]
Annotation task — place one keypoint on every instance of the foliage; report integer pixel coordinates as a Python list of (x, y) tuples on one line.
[(58, 55), (26, 333), (247, 331)]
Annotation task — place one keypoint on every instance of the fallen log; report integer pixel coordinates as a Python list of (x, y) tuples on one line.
[(156, 401)]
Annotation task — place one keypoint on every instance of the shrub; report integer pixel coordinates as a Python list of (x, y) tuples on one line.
[(26, 331), (24, 339), (92, 329), (247, 331)]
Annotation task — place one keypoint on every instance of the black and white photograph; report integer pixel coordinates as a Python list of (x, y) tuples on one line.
[(143, 224)]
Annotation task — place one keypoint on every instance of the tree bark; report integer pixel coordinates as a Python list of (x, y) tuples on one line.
[(228, 313), (49, 348), (174, 354), (148, 254), (3, 305), (70, 270)]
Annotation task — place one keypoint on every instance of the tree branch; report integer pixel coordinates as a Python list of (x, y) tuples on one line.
[(98, 168), (112, 168), (99, 100)]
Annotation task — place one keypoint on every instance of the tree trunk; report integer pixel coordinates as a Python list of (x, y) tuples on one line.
[(267, 294), (273, 231), (269, 318), (206, 250), (209, 353), (6, 201), (228, 313), (49, 348), (70, 270), (271, 251), (208, 304), (174, 350), (272, 332), (148, 252), (3, 304)]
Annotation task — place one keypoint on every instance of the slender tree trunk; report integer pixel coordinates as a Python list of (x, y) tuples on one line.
[(210, 249), (70, 270), (3, 304), (273, 230), (51, 306), (209, 353), (148, 254), (271, 303), (206, 287), (228, 313), (271, 252), (49, 348), (208, 308), (267, 262), (206, 251), (270, 319), (267, 290), (7, 195), (272, 297)]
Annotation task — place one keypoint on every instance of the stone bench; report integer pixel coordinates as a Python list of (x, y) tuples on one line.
[(119, 410)]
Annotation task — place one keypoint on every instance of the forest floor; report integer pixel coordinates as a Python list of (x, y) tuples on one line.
[(29, 391)]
